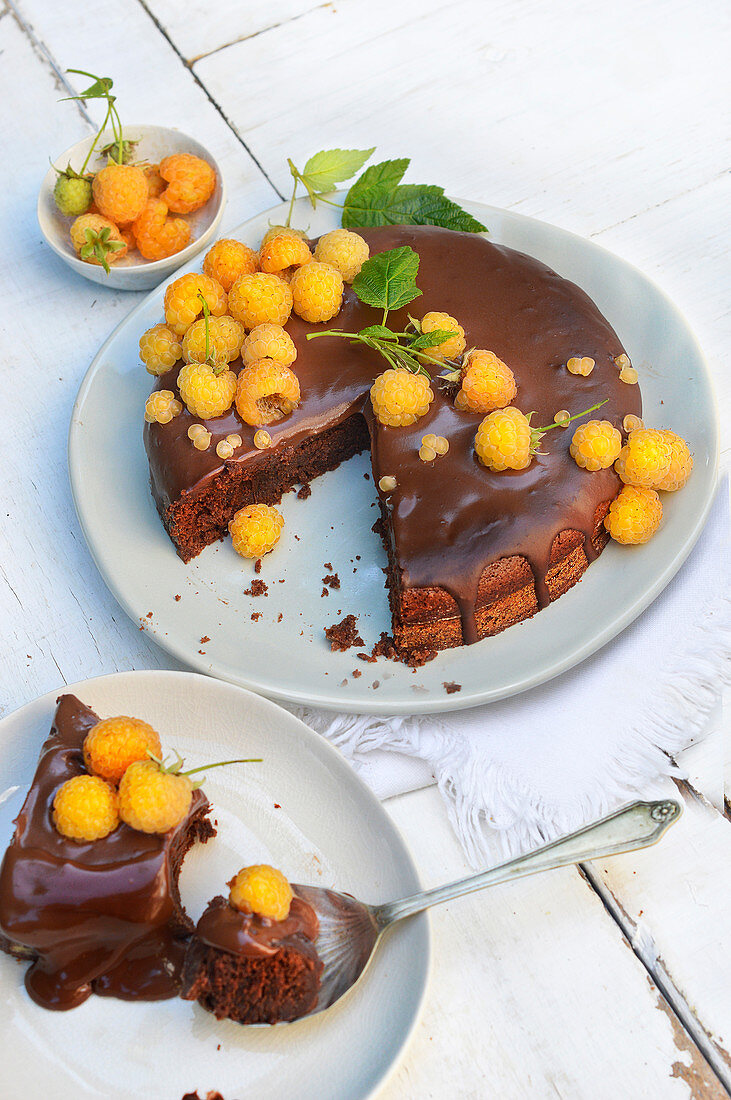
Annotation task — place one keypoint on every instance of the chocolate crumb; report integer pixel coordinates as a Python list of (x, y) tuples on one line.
[(257, 565), (450, 687), (205, 639), (356, 673), (177, 599), (367, 477), (344, 634), (255, 616), (325, 592), (332, 580), (258, 588), (327, 565), (376, 684), (149, 614), (277, 806), (297, 537), (279, 617), (366, 657), (304, 492)]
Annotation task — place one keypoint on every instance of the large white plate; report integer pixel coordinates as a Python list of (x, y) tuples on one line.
[(330, 830), (289, 659)]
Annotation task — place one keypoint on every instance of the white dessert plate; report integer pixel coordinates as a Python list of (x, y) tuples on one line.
[(283, 653), (302, 809)]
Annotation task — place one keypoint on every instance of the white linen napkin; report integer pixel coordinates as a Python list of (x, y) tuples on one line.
[(524, 770)]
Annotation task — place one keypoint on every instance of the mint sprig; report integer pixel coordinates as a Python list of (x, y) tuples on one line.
[(387, 281), (324, 170)]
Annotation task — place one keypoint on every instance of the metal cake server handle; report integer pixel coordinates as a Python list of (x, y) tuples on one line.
[(350, 930)]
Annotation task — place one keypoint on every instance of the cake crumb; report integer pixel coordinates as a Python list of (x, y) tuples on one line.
[(255, 616), (384, 647), (258, 588), (177, 599), (344, 634), (279, 617), (376, 684), (277, 806), (202, 652), (257, 565), (366, 657), (450, 687), (149, 614), (327, 565), (205, 639), (419, 657), (367, 477), (356, 673), (325, 592), (332, 580), (304, 492)]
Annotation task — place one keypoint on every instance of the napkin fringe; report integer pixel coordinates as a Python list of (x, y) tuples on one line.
[(487, 802)]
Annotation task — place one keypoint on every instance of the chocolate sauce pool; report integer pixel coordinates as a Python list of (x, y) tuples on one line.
[(450, 518), (96, 916)]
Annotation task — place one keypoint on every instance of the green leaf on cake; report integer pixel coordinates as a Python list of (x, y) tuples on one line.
[(430, 339), (379, 332), (388, 280), (379, 198)]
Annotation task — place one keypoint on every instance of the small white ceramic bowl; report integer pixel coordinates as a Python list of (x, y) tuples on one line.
[(133, 272)]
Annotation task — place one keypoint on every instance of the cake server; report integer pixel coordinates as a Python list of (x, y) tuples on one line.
[(350, 930)]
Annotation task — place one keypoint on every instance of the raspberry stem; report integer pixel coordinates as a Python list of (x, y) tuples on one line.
[(536, 434), (217, 368), (101, 89)]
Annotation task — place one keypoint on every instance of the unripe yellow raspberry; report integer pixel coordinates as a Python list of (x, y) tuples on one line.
[(452, 347), (85, 808), (206, 393), (317, 292), (269, 342), (596, 445), (283, 250), (255, 530), (681, 463), (225, 337), (259, 299), (486, 383), (151, 800), (160, 349), (161, 406), (266, 392), (503, 440), (645, 459), (114, 743), (400, 398), (228, 260), (634, 515), (183, 304), (344, 250), (262, 890)]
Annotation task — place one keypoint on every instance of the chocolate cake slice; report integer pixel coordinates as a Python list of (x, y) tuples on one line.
[(251, 969), (102, 916), (471, 551)]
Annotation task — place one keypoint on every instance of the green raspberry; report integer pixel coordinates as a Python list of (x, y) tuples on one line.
[(72, 195)]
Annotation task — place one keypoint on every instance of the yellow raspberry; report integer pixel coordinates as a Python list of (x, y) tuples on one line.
[(160, 349), (634, 516), (207, 390), (400, 397), (85, 808), (114, 743), (486, 383), (191, 182), (317, 292), (182, 302), (452, 347), (503, 440), (262, 890), (225, 337), (645, 458), (281, 251), (228, 260), (595, 445), (255, 530), (343, 250), (260, 299), (97, 240), (161, 406), (120, 192), (157, 235), (681, 463), (126, 232), (266, 392), (269, 342), (152, 800), (282, 230), (155, 183)]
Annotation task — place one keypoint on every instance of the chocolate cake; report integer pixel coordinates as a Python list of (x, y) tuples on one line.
[(252, 969), (103, 916), (471, 551)]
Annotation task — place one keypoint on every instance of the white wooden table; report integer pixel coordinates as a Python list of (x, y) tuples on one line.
[(611, 982)]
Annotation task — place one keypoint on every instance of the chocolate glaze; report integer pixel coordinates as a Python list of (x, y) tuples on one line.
[(101, 916), (227, 929), (452, 518)]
